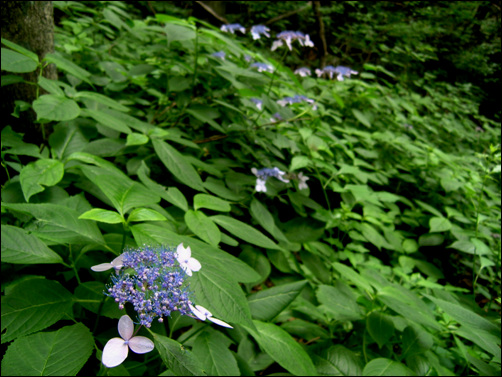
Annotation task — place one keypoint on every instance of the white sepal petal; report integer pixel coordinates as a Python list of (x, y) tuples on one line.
[(197, 313), (194, 264), (102, 267), (126, 327), (141, 344), (220, 322), (115, 352)]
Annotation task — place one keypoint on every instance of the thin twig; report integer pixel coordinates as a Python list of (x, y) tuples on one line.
[(210, 10), (288, 14)]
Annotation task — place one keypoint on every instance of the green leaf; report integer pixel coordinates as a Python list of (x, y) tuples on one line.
[(339, 302), (44, 171), (372, 235), (261, 214), (299, 162), (33, 305), (386, 367), (145, 214), (338, 361), (430, 239), (210, 202), (267, 304), (107, 120), (177, 165), (361, 117), (103, 216), (472, 246), (58, 108), (415, 341), (136, 139), (464, 316), (203, 227), (57, 353), (59, 223), (381, 327), (255, 258), (15, 62), (283, 349), (68, 66), (90, 296), (439, 224), (353, 276), (21, 247), (244, 231), (211, 349), (179, 360), (21, 50), (102, 99)]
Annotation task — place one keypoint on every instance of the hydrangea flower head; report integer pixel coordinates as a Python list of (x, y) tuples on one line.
[(289, 36), (257, 30), (296, 99), (262, 67), (340, 72), (202, 313), (232, 28), (303, 71), (220, 55), (117, 349), (157, 284), (258, 102), (302, 179), (116, 264), (263, 174)]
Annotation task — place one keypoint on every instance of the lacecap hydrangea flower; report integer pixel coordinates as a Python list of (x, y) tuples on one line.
[(289, 36), (296, 99), (340, 71), (154, 280), (220, 55), (257, 30), (117, 349), (262, 67), (232, 28), (263, 174), (303, 71)]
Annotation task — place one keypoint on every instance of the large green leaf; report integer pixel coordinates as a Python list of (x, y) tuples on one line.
[(44, 171), (338, 361), (102, 99), (267, 304), (51, 107), (33, 305), (107, 120), (339, 302), (19, 246), (386, 367), (177, 165), (68, 66), (283, 349), (439, 224), (351, 275), (203, 227), (244, 231), (60, 224), (211, 349), (380, 326), (210, 202), (57, 353), (16, 62), (179, 361)]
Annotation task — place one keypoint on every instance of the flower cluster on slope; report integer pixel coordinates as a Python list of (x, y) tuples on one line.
[(262, 67), (220, 55), (303, 71), (263, 174), (232, 28), (296, 99), (288, 37), (340, 71), (257, 30)]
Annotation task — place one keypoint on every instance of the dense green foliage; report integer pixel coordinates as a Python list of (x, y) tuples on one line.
[(388, 263)]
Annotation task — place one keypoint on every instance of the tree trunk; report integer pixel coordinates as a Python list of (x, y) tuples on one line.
[(29, 24)]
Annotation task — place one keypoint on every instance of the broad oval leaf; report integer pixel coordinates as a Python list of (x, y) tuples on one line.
[(45, 171), (51, 107), (211, 349), (439, 224), (244, 231), (177, 165), (180, 361), (380, 326), (210, 202), (19, 246), (283, 348), (45, 300), (15, 62), (103, 216), (57, 353), (203, 227), (386, 367)]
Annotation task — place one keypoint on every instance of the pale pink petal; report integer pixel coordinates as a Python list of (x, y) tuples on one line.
[(220, 322), (114, 353), (102, 267), (126, 327), (140, 344)]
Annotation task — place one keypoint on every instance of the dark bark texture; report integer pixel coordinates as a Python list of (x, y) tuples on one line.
[(29, 24)]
